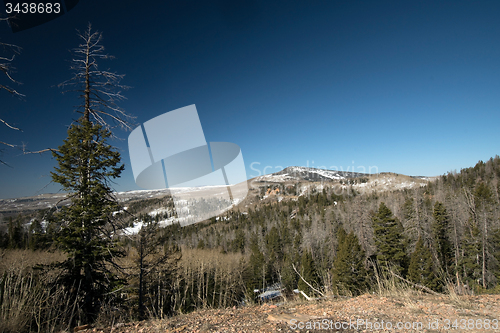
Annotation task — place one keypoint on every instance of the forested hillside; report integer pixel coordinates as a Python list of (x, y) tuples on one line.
[(440, 237)]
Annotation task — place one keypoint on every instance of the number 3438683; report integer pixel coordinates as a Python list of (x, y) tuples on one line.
[(32, 8)]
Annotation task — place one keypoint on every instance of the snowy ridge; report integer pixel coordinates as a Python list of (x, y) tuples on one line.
[(389, 182), (275, 178), (295, 173)]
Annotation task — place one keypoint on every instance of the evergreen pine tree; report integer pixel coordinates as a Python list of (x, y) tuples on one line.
[(16, 233), (441, 242), (349, 273), (86, 164), (388, 234), (36, 235), (238, 244), (288, 275), (495, 238), (421, 269), (470, 262), (308, 272), (258, 267), (274, 245)]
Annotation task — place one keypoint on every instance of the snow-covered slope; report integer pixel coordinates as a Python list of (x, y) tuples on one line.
[(295, 173), (340, 180)]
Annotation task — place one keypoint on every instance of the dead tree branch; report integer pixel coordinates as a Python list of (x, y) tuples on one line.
[(7, 68), (25, 151), (10, 126), (316, 290), (430, 291)]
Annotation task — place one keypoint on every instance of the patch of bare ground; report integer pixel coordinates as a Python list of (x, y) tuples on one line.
[(366, 313)]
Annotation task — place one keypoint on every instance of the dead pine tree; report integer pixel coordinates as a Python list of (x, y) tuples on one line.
[(100, 90)]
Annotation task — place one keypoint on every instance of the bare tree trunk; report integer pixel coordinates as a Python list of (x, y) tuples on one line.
[(485, 238), (98, 87), (457, 252), (316, 290), (217, 268), (141, 280), (86, 114)]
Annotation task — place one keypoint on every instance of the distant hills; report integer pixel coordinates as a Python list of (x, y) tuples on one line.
[(294, 174)]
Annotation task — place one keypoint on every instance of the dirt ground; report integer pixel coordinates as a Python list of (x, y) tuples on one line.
[(366, 313)]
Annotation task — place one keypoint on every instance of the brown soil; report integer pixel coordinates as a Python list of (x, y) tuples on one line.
[(463, 314)]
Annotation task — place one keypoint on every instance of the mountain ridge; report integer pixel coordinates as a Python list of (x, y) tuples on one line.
[(291, 174)]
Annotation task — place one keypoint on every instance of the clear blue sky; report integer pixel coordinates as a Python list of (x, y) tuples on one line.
[(407, 86)]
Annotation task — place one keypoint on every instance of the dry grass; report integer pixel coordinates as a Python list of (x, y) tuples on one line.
[(201, 268), (390, 286), (29, 302), (27, 305), (459, 301), (24, 260), (204, 278)]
